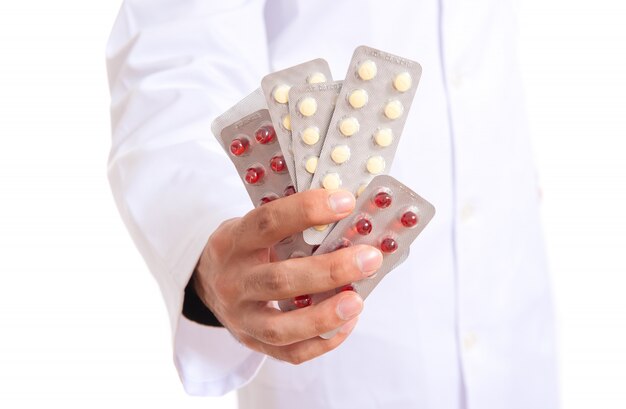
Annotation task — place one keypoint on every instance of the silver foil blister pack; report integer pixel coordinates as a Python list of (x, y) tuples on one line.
[(389, 216), (368, 120), (292, 247), (358, 124), (276, 88), (251, 103), (311, 107), (251, 144), (247, 135)]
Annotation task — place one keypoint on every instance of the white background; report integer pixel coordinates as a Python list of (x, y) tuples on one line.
[(81, 320)]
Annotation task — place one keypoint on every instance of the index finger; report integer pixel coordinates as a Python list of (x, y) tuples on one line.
[(268, 224)]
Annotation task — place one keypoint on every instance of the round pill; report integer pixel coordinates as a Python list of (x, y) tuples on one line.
[(403, 81), (409, 219), (349, 126), (302, 301), (375, 165), (367, 70), (281, 93), (394, 109), (331, 181), (254, 175), (358, 98), (340, 154), (239, 146), (383, 137), (265, 134), (382, 200), (289, 190), (287, 122), (268, 198), (310, 135), (388, 245), (307, 106), (321, 227), (311, 164), (316, 78), (361, 189), (363, 226), (278, 164)]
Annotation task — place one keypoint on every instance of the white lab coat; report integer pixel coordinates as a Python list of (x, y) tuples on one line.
[(466, 321)]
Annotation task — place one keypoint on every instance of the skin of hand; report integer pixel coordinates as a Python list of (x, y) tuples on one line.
[(237, 279)]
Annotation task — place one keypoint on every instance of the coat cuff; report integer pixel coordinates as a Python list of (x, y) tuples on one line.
[(210, 361)]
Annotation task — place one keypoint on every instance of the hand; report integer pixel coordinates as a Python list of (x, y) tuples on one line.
[(237, 280)]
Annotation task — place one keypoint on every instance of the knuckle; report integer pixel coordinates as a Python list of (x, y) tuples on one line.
[(215, 248), (309, 211), (277, 280), (266, 220), (321, 324), (269, 335), (241, 226), (338, 266), (220, 243)]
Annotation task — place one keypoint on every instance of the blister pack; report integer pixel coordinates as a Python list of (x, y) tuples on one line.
[(306, 300), (309, 131), (276, 88), (369, 116), (293, 247), (388, 215), (353, 127), (249, 139), (251, 103)]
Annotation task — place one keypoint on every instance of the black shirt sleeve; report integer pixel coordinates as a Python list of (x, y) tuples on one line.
[(195, 310)]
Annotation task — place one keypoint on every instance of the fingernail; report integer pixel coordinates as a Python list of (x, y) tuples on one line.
[(369, 260), (349, 307), (341, 201), (348, 326)]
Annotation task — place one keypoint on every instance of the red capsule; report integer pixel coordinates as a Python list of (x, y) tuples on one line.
[(254, 175), (289, 190), (239, 146), (346, 288), (409, 219), (302, 301), (268, 198), (265, 134), (363, 226), (388, 245), (278, 164), (382, 200)]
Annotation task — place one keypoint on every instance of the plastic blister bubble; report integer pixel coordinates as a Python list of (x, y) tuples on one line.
[(276, 87), (369, 116)]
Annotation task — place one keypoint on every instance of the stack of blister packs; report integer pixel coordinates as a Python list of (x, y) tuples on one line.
[(301, 131)]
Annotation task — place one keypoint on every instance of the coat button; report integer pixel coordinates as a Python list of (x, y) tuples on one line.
[(467, 213), (469, 341)]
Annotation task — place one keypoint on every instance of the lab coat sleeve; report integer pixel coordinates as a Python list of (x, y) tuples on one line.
[(173, 66)]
